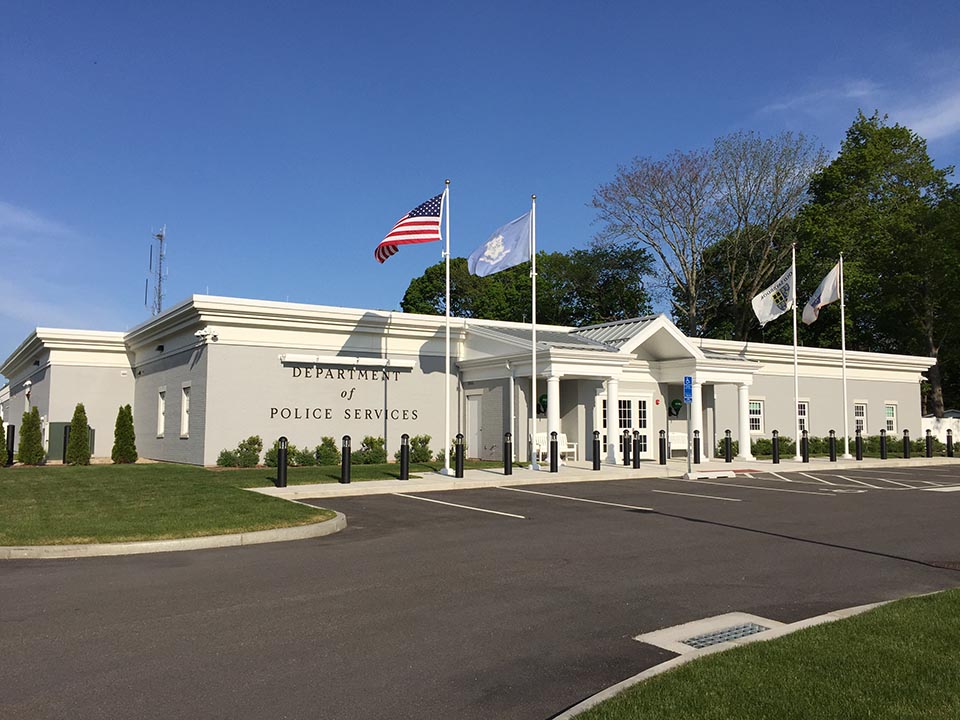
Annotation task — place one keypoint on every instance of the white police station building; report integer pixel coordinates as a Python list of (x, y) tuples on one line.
[(211, 371)]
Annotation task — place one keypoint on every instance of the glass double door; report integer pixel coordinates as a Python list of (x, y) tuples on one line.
[(634, 415)]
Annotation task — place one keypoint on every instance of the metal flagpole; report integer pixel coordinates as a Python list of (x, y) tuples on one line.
[(533, 333), (796, 374), (446, 366), (843, 360)]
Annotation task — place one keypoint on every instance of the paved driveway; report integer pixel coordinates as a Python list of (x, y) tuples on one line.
[(491, 603)]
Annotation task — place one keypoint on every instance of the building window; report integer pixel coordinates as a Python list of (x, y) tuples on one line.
[(161, 411), (890, 413), (756, 416), (860, 418), (185, 412), (803, 415)]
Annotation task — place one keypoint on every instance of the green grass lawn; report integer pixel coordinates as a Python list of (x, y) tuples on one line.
[(59, 505), (898, 662)]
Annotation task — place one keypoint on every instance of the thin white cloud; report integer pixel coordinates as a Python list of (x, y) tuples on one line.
[(840, 92), (934, 119), (20, 227)]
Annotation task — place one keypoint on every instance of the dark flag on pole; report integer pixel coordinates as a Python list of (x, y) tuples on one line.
[(420, 225)]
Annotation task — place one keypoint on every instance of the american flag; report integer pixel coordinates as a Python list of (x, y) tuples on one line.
[(422, 224)]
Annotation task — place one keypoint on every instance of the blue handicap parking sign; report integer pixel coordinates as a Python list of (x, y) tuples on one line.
[(687, 389)]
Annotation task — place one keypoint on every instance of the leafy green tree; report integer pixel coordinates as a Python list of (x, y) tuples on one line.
[(124, 438), (601, 283), (78, 446), (879, 203), (30, 448)]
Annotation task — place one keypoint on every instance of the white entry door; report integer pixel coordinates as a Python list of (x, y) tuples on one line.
[(473, 435), (634, 415)]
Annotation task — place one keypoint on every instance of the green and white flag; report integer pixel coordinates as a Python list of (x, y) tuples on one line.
[(775, 300)]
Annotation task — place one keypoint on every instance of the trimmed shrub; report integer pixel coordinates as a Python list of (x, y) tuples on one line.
[(303, 457), (30, 448), (78, 446), (248, 451), (327, 452), (124, 438), (270, 457), (420, 451), (228, 458), (371, 452)]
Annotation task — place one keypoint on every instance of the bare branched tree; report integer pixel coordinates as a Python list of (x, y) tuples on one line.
[(736, 200), (668, 207), (761, 184)]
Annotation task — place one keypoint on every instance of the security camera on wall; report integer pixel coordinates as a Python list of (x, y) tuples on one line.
[(202, 333)]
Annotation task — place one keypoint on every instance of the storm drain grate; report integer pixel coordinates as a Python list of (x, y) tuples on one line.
[(725, 635)]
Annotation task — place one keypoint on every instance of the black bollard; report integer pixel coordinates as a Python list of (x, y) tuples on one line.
[(663, 447), (883, 444), (405, 457), (636, 449), (833, 446), (66, 442), (776, 447), (859, 444), (282, 461), (596, 449), (507, 454), (11, 436), (929, 440), (458, 470), (554, 453), (949, 443), (345, 460), (626, 448), (727, 447), (696, 447), (805, 447), (906, 444)]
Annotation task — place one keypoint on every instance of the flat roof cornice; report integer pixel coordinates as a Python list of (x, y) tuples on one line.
[(763, 352)]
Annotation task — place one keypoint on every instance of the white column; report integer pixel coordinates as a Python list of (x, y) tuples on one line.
[(553, 405), (696, 418), (613, 421), (743, 393)]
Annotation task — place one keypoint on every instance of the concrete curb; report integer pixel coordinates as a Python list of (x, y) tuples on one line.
[(676, 662), (300, 532)]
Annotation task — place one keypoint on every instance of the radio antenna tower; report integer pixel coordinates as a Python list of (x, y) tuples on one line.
[(158, 274)]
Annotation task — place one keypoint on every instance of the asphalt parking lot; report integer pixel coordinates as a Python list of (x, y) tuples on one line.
[(498, 602)]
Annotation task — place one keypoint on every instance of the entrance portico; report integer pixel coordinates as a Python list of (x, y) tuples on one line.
[(626, 369)]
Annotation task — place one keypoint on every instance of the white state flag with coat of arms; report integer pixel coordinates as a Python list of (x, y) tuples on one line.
[(508, 246), (775, 300)]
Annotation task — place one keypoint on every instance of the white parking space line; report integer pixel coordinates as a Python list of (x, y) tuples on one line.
[(778, 475), (756, 487), (814, 477), (866, 484), (708, 497), (952, 488), (568, 497), (463, 507)]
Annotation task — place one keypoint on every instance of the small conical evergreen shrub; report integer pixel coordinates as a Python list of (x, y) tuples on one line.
[(78, 446), (30, 449), (124, 438)]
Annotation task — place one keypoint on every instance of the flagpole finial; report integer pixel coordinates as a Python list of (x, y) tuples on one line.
[(447, 182), (533, 197)]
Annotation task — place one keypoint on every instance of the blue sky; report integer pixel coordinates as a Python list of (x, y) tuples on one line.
[(280, 141)]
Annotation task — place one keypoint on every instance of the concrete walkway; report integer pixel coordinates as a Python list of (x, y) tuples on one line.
[(579, 472)]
